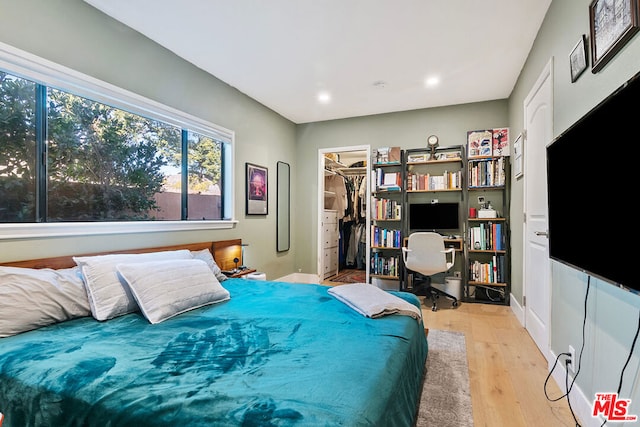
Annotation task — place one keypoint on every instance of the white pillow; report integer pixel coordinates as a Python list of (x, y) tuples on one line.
[(205, 255), (31, 298), (108, 297), (164, 289)]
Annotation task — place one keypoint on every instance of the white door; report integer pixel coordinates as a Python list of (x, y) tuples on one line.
[(538, 122)]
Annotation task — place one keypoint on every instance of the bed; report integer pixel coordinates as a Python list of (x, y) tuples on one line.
[(265, 353)]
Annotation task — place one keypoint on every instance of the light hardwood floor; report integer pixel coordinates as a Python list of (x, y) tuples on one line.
[(506, 369)]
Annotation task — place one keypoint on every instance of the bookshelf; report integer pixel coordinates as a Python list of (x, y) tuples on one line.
[(487, 251), (480, 184), (436, 180), (387, 212)]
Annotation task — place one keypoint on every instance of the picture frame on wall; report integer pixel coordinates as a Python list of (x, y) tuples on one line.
[(517, 157), (479, 143), (578, 58), (612, 23), (257, 191)]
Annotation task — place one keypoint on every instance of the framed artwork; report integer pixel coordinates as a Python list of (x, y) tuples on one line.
[(578, 58), (612, 24), (501, 142), (517, 157), (257, 189), (479, 143)]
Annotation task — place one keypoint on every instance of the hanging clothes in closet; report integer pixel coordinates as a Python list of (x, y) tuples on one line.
[(353, 228)]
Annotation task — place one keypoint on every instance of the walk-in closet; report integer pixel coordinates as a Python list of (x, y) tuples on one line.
[(344, 216)]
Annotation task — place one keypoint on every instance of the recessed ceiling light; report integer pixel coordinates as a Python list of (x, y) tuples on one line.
[(324, 97), (432, 81)]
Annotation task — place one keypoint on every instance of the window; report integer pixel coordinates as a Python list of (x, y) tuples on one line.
[(104, 161)]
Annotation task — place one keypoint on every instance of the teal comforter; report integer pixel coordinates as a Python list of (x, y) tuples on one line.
[(275, 354)]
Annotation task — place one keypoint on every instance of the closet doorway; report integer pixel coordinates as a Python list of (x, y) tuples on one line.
[(343, 195)]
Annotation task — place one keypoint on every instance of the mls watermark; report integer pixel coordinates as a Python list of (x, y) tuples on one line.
[(612, 408)]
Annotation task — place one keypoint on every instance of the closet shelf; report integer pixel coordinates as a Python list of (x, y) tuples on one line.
[(353, 171)]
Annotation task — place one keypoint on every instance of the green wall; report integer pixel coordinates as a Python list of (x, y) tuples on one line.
[(612, 313), (408, 129), (73, 34)]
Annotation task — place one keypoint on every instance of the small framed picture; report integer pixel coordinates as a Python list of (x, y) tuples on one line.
[(257, 190), (517, 157), (612, 23), (578, 58)]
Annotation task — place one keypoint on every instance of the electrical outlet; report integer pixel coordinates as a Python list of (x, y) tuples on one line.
[(572, 359)]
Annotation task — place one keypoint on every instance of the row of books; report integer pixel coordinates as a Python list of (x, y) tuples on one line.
[(384, 266), (487, 173), (385, 180), (424, 157), (488, 272), (386, 209), (487, 237), (446, 181), (385, 238)]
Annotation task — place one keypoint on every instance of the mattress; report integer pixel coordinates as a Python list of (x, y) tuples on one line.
[(275, 354)]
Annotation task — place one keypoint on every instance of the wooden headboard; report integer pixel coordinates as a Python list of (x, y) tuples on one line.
[(224, 251)]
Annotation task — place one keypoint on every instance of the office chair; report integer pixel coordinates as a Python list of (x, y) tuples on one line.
[(425, 254)]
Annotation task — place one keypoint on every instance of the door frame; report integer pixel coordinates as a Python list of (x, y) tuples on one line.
[(319, 242)]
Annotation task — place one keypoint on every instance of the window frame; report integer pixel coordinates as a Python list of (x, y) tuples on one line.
[(32, 67)]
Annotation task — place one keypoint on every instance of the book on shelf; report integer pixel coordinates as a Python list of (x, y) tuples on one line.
[(417, 158), (386, 181), (487, 237), (384, 265), (385, 238), (446, 181), (487, 172), (488, 272), (385, 209)]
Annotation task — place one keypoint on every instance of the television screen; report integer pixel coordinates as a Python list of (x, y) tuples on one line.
[(433, 217), (591, 185)]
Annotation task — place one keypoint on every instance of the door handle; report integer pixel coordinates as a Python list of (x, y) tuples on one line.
[(541, 233)]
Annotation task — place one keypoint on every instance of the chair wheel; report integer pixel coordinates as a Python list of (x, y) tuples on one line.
[(455, 303), (434, 308)]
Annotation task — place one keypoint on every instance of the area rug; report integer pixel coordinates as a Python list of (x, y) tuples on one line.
[(446, 395), (354, 276)]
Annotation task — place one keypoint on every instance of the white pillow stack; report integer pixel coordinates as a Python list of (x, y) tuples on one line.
[(164, 289), (110, 297), (160, 284)]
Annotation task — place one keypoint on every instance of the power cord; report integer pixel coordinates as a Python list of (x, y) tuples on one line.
[(568, 386), (633, 345)]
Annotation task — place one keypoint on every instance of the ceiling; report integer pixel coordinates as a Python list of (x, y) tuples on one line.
[(368, 56)]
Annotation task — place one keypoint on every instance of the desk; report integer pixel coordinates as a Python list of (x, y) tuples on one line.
[(448, 243)]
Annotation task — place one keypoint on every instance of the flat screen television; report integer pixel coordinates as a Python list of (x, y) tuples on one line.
[(592, 183), (434, 217)]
